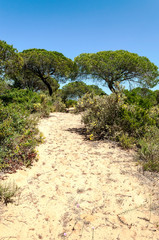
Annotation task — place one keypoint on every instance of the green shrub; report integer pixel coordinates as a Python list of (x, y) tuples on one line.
[(100, 116), (134, 120), (110, 116), (18, 132), (85, 102), (149, 149), (58, 104), (125, 141), (142, 97), (71, 103), (29, 100), (18, 137), (131, 125)]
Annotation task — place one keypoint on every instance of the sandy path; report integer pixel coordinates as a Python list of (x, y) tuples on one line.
[(80, 190)]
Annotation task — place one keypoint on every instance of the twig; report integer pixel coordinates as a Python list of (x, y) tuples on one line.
[(74, 226), (129, 210), (146, 219), (129, 226)]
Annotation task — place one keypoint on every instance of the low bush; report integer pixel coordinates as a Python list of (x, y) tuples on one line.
[(19, 113), (85, 102), (18, 137), (71, 103), (31, 101), (131, 125), (59, 105), (7, 192), (149, 150)]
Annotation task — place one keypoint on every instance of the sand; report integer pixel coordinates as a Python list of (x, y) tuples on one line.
[(88, 190)]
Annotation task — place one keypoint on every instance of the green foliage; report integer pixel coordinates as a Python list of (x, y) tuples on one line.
[(18, 132), (132, 125), (125, 141), (142, 97), (29, 100), (7, 192), (117, 66), (149, 149), (100, 116), (47, 66), (84, 103), (96, 90), (59, 105), (70, 103), (10, 61), (75, 90)]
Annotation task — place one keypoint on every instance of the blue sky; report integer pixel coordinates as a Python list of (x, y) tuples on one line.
[(81, 26)]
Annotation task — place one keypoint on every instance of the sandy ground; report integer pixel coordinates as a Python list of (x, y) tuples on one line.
[(81, 189)]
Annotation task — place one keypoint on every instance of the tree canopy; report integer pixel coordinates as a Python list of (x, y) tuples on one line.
[(117, 66), (47, 66), (10, 61), (77, 89)]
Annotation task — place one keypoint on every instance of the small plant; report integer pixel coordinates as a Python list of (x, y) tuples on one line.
[(149, 150), (85, 102), (7, 192), (58, 105), (125, 141)]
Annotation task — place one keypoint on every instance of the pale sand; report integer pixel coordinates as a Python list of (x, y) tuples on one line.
[(80, 190)]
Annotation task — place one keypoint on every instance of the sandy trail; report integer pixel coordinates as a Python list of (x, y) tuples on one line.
[(80, 190)]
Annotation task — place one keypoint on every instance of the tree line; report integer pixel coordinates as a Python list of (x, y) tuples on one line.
[(39, 69)]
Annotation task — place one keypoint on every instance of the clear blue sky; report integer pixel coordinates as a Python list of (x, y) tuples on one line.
[(81, 26)]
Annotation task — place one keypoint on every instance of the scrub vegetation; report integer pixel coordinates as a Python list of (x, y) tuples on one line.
[(30, 89), (129, 117)]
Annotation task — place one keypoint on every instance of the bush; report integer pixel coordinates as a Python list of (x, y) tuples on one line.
[(29, 100), (18, 132), (131, 125), (100, 116), (84, 103), (149, 149), (18, 137), (71, 103), (142, 97), (58, 104)]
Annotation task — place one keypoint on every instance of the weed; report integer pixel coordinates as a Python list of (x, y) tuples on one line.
[(7, 192)]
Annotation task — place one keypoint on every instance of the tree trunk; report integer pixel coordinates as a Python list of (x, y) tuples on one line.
[(110, 85), (48, 85)]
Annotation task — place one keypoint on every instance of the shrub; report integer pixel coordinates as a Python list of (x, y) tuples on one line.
[(18, 132), (131, 125), (18, 137), (71, 103), (7, 192), (100, 116), (149, 149), (84, 103), (142, 97), (58, 104), (29, 100), (125, 141)]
